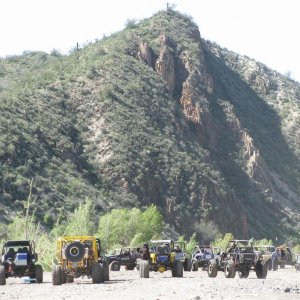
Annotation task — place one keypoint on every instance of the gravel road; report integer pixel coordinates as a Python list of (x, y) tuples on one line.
[(282, 284)]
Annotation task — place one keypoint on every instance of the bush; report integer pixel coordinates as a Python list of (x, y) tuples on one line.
[(222, 242), (129, 226)]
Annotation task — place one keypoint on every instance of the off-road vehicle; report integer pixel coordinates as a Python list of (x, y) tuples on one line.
[(123, 257), (285, 258), (162, 258), (180, 250), (203, 254), (297, 262), (79, 256), (19, 260), (239, 256), (264, 252)]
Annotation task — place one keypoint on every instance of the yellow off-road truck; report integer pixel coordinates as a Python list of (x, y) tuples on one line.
[(78, 256)]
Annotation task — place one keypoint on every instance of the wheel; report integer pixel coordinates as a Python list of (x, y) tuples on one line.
[(144, 269), (261, 270), (75, 252), (106, 270), (129, 267), (97, 273), (195, 266), (114, 266), (178, 269), (212, 269), (2, 276), (188, 265), (56, 275), (69, 278), (63, 276), (244, 273), (138, 264), (38, 273), (229, 269)]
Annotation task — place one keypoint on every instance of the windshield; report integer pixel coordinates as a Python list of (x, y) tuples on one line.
[(263, 248), (114, 252), (240, 245)]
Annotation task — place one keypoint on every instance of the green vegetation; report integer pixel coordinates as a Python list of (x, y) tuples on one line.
[(222, 242), (101, 124), (129, 227), (190, 244), (121, 227)]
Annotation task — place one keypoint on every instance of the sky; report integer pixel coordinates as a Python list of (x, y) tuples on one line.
[(265, 30)]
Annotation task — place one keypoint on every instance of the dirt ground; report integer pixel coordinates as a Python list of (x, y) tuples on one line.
[(282, 284)]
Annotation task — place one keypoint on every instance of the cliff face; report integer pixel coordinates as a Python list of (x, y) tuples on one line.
[(156, 114)]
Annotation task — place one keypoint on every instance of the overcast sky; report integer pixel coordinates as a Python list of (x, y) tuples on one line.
[(266, 30)]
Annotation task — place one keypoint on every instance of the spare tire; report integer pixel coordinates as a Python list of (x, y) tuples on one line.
[(75, 252)]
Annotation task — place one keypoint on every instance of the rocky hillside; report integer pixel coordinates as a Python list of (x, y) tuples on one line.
[(153, 114)]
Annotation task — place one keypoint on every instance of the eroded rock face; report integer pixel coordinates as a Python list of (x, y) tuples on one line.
[(165, 67), (145, 53), (195, 92)]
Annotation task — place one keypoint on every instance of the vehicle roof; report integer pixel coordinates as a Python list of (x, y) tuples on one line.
[(17, 243), (125, 248), (241, 241), (77, 237), (160, 241)]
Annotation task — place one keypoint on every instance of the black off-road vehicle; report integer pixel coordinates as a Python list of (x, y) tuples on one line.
[(123, 257), (19, 260), (239, 256)]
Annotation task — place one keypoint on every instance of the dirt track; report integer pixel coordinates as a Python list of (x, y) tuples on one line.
[(195, 285)]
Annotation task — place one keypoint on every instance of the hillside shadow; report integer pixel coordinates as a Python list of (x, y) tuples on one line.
[(263, 125), (261, 121)]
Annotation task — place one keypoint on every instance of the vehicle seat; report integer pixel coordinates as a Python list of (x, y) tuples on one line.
[(161, 250), (10, 254), (25, 250)]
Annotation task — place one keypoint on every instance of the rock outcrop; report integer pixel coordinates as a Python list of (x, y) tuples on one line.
[(165, 64)]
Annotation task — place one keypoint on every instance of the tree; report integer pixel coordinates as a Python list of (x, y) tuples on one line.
[(23, 225), (189, 245), (222, 242), (82, 220), (129, 226)]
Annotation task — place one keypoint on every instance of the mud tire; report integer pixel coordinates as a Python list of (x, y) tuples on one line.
[(144, 268), (114, 266), (38, 273), (212, 269), (56, 275), (2, 276)]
